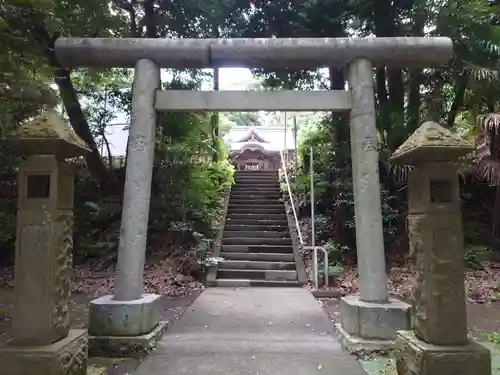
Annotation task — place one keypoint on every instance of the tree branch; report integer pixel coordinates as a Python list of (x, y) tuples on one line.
[(62, 78), (458, 101), (129, 7)]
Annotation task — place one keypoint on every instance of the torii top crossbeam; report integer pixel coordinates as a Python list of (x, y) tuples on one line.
[(274, 53)]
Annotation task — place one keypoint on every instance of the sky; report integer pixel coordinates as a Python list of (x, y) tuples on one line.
[(229, 79)]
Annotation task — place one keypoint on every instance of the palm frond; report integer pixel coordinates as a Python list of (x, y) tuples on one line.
[(486, 164), (488, 169), (490, 47), (489, 122), (398, 172), (480, 74), (466, 165)]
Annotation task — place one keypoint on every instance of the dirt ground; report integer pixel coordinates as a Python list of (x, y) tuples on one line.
[(179, 293), (481, 318), (173, 307)]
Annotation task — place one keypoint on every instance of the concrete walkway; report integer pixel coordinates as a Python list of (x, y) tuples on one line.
[(253, 331)]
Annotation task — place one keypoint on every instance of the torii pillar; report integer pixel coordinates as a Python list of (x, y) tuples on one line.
[(129, 314), (129, 321)]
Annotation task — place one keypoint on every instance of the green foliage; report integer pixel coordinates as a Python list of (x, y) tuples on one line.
[(186, 197), (494, 337), (207, 262), (187, 184), (245, 119), (335, 271), (473, 255), (342, 232), (335, 252)]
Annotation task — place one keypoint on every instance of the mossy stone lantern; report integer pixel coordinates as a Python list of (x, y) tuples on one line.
[(439, 342), (44, 247)]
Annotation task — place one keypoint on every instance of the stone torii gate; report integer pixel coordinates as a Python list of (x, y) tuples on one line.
[(131, 316)]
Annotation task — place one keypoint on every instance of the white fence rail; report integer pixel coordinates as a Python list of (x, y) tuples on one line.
[(283, 165), (313, 227)]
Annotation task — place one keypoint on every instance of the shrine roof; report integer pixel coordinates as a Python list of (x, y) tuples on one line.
[(271, 138)]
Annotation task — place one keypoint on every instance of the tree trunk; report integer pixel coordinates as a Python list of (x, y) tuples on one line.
[(396, 90), (214, 120), (96, 165), (295, 144), (414, 100), (415, 75), (458, 101), (150, 20), (496, 214), (386, 26), (381, 88)]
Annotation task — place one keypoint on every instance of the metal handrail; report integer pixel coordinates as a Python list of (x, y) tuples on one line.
[(315, 264), (313, 231), (283, 165)]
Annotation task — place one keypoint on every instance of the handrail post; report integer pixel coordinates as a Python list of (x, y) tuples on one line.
[(313, 237), (315, 267), (313, 229), (325, 259), (283, 165), (315, 264)]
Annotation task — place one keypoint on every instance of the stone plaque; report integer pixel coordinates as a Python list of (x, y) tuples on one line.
[(33, 285)]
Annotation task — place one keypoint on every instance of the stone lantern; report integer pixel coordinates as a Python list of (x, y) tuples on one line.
[(42, 341), (438, 343)]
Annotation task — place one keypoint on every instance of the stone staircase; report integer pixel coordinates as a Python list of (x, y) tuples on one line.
[(256, 245)]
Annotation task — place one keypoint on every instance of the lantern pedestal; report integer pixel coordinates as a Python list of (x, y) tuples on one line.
[(42, 341), (65, 356), (438, 343), (418, 357)]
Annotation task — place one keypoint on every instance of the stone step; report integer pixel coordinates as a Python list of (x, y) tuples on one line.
[(278, 275), (256, 241), (256, 194), (263, 227), (257, 189), (257, 210), (245, 283), (255, 234), (256, 265), (246, 197), (261, 257), (264, 179), (256, 216), (255, 173), (260, 249), (256, 181), (260, 183), (239, 204), (256, 220), (252, 180), (246, 200)]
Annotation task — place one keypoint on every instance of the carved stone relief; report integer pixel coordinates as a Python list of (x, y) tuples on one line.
[(64, 253), (72, 361)]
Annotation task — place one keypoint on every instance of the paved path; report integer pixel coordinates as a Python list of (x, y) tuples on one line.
[(254, 331)]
